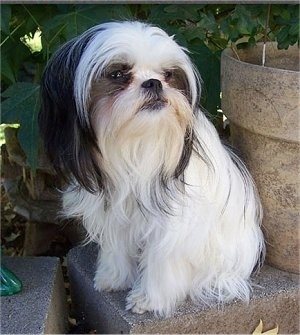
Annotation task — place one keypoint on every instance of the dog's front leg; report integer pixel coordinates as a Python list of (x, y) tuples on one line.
[(115, 269), (164, 280)]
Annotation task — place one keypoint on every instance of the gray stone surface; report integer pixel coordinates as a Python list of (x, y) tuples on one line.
[(275, 300), (41, 306)]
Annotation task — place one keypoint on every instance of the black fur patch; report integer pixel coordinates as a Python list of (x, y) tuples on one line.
[(69, 140)]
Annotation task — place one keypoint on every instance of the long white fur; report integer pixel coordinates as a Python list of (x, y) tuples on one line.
[(208, 245)]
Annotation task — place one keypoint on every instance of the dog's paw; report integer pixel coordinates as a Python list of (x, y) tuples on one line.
[(106, 281), (137, 302), (103, 284)]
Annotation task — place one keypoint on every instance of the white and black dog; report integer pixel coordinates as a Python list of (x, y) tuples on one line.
[(175, 213)]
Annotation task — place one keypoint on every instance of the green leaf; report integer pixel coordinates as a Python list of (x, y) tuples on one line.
[(14, 55), (22, 106), (208, 22), (208, 64), (5, 18), (7, 72), (283, 35), (193, 33), (285, 14), (69, 24), (294, 29), (184, 12)]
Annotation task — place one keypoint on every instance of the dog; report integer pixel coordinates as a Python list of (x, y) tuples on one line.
[(175, 213)]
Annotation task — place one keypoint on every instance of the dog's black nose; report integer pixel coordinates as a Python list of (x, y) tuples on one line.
[(153, 85)]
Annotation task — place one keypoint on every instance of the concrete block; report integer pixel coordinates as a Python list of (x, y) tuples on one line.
[(41, 307), (275, 300)]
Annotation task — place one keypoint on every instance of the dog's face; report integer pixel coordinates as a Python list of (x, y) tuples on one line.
[(119, 84), (129, 70)]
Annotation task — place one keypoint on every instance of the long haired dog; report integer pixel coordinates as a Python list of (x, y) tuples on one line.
[(174, 212)]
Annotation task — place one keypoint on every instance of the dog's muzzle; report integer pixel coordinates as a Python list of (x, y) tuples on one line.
[(154, 95)]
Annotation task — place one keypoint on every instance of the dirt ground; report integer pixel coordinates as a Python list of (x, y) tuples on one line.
[(12, 228)]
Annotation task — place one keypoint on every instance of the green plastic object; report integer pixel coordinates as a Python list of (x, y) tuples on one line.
[(10, 284)]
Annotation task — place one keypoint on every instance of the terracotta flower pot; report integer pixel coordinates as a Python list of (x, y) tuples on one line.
[(262, 105)]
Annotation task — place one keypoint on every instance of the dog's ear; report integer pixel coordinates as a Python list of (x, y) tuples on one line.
[(188, 81), (68, 137), (195, 92)]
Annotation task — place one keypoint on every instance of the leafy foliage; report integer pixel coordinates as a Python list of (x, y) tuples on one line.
[(22, 106), (204, 29)]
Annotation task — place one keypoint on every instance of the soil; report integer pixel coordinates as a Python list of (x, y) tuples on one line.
[(12, 228)]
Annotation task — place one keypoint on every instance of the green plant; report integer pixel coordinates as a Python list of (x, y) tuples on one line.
[(31, 33)]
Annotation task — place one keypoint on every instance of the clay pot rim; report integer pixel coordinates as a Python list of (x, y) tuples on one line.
[(229, 53)]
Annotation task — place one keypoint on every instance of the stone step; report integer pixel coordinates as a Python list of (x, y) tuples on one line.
[(275, 300), (41, 307)]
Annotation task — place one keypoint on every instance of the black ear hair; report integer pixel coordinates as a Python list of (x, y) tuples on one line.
[(190, 140), (69, 140)]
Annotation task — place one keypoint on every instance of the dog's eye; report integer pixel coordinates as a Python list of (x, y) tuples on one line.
[(168, 75), (118, 74)]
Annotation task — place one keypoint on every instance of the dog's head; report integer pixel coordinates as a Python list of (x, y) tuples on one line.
[(111, 92)]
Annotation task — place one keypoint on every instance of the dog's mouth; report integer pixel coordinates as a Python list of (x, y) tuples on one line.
[(154, 104)]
